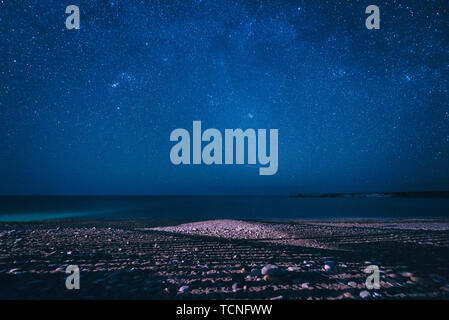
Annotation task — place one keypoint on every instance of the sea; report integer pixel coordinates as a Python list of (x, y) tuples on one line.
[(43, 208)]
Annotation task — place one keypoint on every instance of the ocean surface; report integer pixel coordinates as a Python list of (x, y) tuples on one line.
[(37, 208)]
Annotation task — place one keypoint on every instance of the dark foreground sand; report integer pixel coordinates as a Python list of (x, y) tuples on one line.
[(223, 259)]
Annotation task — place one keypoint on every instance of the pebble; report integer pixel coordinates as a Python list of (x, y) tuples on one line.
[(348, 295), (364, 294), (184, 289), (237, 286), (15, 271), (352, 284), (244, 269), (327, 267), (270, 269), (277, 298), (406, 274)]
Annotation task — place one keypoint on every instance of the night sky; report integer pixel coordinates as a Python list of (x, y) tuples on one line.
[(90, 111)]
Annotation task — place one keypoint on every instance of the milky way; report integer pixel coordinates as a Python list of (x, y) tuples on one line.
[(90, 111)]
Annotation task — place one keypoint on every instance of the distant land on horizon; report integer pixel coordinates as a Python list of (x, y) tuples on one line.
[(399, 194), (404, 194)]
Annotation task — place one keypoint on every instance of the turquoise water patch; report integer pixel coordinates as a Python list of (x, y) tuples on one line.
[(40, 216)]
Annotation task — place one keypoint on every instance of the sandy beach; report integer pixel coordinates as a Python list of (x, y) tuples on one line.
[(225, 259)]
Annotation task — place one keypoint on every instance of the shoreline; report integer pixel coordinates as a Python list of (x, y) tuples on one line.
[(224, 259)]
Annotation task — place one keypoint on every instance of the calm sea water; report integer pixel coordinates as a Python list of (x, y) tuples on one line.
[(212, 207)]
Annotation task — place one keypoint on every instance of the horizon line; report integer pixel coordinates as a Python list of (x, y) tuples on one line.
[(296, 194)]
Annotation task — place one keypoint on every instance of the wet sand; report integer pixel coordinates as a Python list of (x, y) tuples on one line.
[(225, 259)]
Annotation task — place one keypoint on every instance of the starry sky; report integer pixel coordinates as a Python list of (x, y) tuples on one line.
[(90, 111)]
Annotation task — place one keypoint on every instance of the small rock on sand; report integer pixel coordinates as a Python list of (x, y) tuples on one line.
[(237, 286), (15, 271), (348, 295), (184, 289), (365, 294), (329, 265), (406, 274), (293, 269), (270, 269)]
